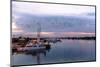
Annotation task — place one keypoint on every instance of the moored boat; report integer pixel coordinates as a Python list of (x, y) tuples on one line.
[(34, 47)]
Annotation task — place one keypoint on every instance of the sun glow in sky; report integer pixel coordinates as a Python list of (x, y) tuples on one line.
[(71, 20)]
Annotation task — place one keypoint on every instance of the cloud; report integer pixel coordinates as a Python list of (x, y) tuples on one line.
[(56, 23), (50, 9), (91, 14)]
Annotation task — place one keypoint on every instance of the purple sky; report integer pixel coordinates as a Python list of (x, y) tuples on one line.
[(53, 18)]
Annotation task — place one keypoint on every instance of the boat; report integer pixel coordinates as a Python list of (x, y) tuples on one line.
[(32, 47)]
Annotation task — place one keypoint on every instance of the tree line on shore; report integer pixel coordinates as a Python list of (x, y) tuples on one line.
[(26, 39)]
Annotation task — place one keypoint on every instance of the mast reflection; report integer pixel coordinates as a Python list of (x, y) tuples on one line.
[(39, 52)]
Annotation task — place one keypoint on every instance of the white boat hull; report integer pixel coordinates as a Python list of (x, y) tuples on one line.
[(32, 48)]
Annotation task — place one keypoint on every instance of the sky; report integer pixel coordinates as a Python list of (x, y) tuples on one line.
[(55, 19)]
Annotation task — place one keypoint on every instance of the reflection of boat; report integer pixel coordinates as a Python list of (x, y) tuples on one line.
[(37, 54)]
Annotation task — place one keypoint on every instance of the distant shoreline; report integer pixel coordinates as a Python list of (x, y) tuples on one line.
[(69, 38)]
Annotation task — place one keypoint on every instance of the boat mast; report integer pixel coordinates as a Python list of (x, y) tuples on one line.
[(38, 32)]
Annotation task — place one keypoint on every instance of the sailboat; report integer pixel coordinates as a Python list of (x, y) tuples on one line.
[(38, 46)]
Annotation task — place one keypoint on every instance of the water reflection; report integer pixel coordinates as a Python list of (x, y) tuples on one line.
[(58, 51), (36, 53)]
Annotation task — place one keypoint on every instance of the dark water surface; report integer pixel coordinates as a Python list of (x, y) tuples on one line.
[(64, 51)]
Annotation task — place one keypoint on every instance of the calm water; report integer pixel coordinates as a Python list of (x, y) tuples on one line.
[(64, 51)]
